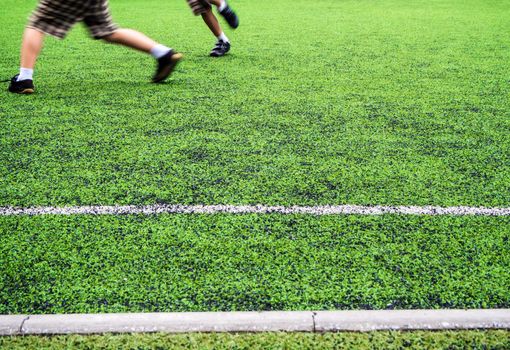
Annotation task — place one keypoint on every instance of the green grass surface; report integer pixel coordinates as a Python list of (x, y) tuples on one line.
[(386, 102), (375, 340), (362, 102), (250, 262)]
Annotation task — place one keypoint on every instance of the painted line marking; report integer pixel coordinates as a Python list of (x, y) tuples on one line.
[(272, 321), (255, 209)]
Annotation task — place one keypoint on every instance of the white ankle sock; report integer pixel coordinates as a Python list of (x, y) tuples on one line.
[(223, 38), (25, 74), (222, 6), (159, 51)]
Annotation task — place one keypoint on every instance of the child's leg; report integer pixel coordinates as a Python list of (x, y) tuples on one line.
[(203, 8), (218, 3), (51, 18), (133, 39), (212, 22), (138, 41), (227, 13), (166, 57), (31, 47), (223, 44), (101, 26)]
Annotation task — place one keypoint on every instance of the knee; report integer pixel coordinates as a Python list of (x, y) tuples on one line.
[(111, 38)]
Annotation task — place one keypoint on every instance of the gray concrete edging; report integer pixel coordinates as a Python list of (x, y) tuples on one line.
[(270, 321)]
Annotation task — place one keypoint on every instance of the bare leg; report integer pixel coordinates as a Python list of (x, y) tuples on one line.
[(212, 22), (31, 47), (138, 41), (226, 12), (133, 39)]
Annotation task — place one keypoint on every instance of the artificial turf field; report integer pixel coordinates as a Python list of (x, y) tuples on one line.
[(360, 341), (320, 102)]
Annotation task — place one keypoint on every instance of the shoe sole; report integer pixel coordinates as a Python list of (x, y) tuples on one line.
[(24, 92), (216, 55), (165, 73), (234, 25)]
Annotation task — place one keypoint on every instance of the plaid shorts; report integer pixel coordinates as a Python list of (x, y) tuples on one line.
[(199, 6), (57, 17)]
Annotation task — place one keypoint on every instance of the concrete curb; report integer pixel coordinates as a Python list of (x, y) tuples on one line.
[(11, 325), (363, 321), (292, 321)]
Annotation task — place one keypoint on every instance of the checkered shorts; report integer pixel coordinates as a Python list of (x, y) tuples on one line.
[(57, 17), (199, 6)]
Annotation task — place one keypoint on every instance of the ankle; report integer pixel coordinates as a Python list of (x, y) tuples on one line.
[(222, 6), (25, 74), (223, 37), (159, 51)]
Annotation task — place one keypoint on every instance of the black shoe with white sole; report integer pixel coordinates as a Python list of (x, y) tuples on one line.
[(230, 16), (220, 49), (166, 65), (22, 86)]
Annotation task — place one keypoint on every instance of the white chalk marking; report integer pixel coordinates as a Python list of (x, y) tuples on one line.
[(254, 209)]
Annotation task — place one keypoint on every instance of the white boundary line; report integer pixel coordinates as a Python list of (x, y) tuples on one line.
[(289, 321), (255, 209)]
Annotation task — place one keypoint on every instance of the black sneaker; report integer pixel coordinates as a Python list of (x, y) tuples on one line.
[(166, 65), (230, 16), (21, 87), (220, 49)]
